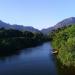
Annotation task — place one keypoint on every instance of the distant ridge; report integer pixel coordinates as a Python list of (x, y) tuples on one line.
[(65, 22), (17, 27)]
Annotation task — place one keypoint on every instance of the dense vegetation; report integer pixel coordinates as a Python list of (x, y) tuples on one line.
[(13, 40), (63, 39)]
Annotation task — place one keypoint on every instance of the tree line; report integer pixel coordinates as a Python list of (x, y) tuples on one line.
[(13, 40)]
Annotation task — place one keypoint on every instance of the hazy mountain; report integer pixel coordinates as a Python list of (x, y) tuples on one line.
[(65, 22), (25, 28), (4, 25), (17, 27), (46, 31)]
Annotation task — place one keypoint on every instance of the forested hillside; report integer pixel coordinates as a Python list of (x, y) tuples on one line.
[(13, 40), (63, 39)]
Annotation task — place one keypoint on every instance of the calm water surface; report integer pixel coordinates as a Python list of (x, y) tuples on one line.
[(32, 61)]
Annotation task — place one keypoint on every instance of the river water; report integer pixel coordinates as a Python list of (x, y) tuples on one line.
[(31, 61)]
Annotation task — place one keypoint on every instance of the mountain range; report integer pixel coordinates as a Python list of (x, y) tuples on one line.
[(17, 27), (65, 22)]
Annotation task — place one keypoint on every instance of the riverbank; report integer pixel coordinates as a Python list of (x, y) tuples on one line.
[(15, 40), (64, 40), (63, 69), (31, 61)]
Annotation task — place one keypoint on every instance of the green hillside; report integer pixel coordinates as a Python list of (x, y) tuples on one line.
[(14, 40), (64, 40)]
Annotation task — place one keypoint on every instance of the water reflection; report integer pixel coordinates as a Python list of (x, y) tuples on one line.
[(5, 55), (31, 61)]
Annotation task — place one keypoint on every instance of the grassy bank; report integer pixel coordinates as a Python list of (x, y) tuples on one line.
[(63, 69), (63, 39)]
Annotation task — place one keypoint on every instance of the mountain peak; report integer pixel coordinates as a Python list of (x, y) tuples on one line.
[(17, 27), (71, 18), (63, 23)]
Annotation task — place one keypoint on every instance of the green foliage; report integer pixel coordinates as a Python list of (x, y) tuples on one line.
[(64, 40), (12, 40)]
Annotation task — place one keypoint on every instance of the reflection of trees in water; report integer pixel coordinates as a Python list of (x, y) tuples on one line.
[(5, 55), (8, 55), (53, 63), (65, 70)]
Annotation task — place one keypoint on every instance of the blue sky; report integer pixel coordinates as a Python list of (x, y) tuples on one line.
[(37, 13)]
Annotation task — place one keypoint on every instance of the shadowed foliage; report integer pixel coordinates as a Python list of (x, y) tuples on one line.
[(13, 40)]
